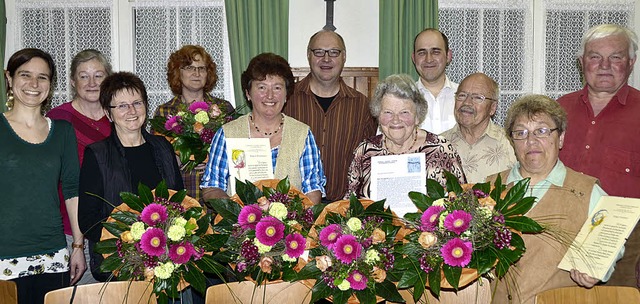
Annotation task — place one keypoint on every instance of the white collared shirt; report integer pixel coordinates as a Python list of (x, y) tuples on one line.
[(440, 116)]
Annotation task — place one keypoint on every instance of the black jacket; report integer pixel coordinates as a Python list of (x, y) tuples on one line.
[(105, 173)]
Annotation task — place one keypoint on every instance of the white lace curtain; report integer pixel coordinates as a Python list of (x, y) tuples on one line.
[(501, 39), (65, 27)]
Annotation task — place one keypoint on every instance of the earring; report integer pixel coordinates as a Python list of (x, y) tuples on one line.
[(9, 102)]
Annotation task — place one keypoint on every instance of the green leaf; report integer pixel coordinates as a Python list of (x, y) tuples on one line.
[(355, 207), (194, 212), (209, 265), (125, 217), (434, 190), (107, 246), (179, 196), (161, 190), (483, 260), (247, 192), (203, 224), (484, 187), (116, 228), (515, 194), (133, 201), (196, 279), (214, 242), (452, 183), (434, 280), (283, 186), (388, 291), (320, 291), (341, 297), (226, 208), (309, 271), (366, 296), (420, 200), (498, 187), (111, 263), (452, 274), (520, 207), (145, 194), (376, 208), (523, 224)]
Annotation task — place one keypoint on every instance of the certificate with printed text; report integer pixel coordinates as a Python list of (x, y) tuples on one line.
[(394, 176), (248, 159), (602, 236)]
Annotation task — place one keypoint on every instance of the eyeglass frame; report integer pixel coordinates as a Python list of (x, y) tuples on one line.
[(326, 52), (473, 96), (193, 69), (536, 133), (125, 107)]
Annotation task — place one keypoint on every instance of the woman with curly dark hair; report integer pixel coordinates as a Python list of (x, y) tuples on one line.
[(191, 74)]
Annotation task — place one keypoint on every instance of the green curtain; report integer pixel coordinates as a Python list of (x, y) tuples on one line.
[(400, 22), (3, 35), (255, 26)]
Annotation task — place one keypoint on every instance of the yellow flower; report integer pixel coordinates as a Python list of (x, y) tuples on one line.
[(127, 237), (137, 229), (278, 210), (439, 202), (176, 232), (378, 236), (202, 117), (354, 224), (427, 239), (372, 256)]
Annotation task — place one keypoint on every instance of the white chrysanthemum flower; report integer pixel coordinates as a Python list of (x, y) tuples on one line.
[(137, 229), (262, 248), (278, 210), (372, 256), (354, 224), (202, 117), (176, 232)]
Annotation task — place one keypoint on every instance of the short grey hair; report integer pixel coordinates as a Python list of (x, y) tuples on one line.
[(84, 56), (400, 86), (606, 30), (531, 106)]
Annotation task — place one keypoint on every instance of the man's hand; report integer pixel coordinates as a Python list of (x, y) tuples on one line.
[(583, 279)]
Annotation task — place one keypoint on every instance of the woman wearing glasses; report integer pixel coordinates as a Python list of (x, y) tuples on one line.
[(400, 108), (191, 74), (535, 125), (129, 156)]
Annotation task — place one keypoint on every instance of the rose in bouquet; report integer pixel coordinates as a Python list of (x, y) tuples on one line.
[(192, 129), (161, 236), (355, 251), (462, 233), (263, 231)]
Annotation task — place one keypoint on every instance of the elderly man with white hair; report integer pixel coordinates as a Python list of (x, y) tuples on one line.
[(603, 119)]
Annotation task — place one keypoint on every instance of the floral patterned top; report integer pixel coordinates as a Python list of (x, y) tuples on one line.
[(440, 156)]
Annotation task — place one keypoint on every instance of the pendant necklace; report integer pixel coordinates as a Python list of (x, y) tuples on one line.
[(267, 133), (415, 139)]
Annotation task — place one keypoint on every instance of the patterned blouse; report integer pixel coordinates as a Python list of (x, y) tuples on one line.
[(440, 156)]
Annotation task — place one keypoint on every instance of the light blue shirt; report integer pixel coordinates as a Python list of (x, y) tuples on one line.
[(556, 177)]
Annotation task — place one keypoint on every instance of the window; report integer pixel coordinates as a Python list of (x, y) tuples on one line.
[(502, 39), (137, 36)]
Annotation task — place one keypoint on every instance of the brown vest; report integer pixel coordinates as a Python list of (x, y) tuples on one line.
[(563, 208)]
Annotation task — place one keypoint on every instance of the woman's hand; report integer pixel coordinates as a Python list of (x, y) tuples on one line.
[(77, 264), (583, 279)]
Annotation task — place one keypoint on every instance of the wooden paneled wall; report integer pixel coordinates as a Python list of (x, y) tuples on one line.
[(364, 80)]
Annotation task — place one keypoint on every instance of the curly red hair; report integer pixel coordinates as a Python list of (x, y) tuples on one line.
[(184, 57)]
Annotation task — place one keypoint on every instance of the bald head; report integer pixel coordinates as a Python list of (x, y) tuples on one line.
[(476, 101)]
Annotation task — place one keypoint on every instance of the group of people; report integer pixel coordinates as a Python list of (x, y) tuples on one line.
[(322, 136)]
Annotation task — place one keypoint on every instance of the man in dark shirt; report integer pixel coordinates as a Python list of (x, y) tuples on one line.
[(338, 115)]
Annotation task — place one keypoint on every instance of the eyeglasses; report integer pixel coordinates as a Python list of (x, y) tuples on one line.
[(124, 107), (322, 52), (190, 68), (476, 98), (538, 133)]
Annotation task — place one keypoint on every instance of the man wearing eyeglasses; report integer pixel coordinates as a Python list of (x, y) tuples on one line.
[(337, 114), (482, 144), (431, 55), (604, 119)]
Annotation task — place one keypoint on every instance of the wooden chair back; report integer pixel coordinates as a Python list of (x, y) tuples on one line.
[(364, 80), (248, 293), (595, 295), (117, 292), (8, 292)]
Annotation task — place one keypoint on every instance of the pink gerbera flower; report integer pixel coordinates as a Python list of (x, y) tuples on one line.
[(357, 280), (456, 252), (295, 244), (269, 230), (429, 218), (457, 221), (249, 216), (329, 235), (153, 214), (153, 241), (198, 106), (347, 248), (173, 123), (181, 253)]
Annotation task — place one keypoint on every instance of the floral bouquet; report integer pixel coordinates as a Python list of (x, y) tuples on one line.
[(161, 236), (192, 129), (262, 232), (462, 233), (354, 254)]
